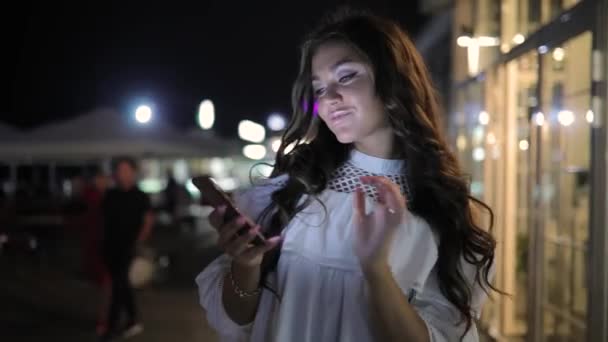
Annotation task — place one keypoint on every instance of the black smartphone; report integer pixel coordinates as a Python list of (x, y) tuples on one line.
[(212, 194)]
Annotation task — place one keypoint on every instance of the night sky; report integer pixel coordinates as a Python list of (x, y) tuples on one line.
[(62, 59)]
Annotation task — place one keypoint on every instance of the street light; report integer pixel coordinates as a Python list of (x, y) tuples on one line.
[(463, 41), (565, 117), (466, 41), (276, 122), (206, 114), (559, 54), (143, 114), (472, 44), (484, 118), (255, 152), (479, 154), (519, 39), (539, 118), (251, 131)]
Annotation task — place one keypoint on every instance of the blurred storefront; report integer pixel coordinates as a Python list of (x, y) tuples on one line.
[(527, 120)]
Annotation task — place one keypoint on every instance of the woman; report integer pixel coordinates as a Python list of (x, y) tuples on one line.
[(371, 224)]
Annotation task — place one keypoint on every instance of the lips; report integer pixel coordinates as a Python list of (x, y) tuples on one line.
[(339, 114)]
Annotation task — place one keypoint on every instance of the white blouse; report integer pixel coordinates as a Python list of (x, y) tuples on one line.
[(318, 278)]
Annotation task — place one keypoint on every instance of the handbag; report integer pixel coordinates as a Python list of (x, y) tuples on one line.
[(143, 267)]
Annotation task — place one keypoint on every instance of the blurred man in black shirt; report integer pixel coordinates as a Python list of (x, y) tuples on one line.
[(127, 219)]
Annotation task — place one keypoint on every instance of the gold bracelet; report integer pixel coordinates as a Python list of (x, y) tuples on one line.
[(237, 289)]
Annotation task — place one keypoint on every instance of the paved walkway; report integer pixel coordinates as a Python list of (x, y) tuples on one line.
[(42, 302), (50, 307)]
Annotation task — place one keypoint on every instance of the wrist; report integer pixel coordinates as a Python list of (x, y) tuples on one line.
[(243, 267), (245, 277), (376, 272)]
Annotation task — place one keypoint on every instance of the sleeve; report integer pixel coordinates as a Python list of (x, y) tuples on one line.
[(210, 281), (254, 200), (413, 261), (441, 317)]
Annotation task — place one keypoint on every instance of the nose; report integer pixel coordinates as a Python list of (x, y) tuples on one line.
[(332, 95)]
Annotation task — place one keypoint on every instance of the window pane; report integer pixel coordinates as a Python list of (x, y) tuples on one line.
[(565, 162)]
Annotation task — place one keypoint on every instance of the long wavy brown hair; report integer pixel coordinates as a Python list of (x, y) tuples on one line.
[(439, 191)]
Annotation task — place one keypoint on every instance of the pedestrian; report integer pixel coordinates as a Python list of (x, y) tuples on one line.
[(95, 266), (128, 220)]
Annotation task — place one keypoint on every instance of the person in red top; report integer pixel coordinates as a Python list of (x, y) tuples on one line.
[(93, 237)]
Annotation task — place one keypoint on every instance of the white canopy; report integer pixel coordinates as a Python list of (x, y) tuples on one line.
[(106, 133)]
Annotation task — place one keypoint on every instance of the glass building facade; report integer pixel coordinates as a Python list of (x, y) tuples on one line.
[(527, 120)]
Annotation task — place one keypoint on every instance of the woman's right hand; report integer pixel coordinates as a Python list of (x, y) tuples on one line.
[(240, 248)]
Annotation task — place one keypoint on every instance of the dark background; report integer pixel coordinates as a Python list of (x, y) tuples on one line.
[(62, 59)]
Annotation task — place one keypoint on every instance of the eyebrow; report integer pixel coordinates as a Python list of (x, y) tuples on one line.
[(336, 65)]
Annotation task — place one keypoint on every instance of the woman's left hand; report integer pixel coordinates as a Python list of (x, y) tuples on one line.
[(374, 231)]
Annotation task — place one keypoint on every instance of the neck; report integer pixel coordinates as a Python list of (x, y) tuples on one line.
[(378, 144)]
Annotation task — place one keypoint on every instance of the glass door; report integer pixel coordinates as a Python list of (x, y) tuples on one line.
[(544, 219), (565, 192), (517, 214)]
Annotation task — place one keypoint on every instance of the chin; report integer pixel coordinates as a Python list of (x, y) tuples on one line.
[(345, 138), (345, 135)]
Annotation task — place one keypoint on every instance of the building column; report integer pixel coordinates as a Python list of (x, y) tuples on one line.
[(597, 314)]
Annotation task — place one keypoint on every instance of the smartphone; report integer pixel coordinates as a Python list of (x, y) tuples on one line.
[(212, 194)]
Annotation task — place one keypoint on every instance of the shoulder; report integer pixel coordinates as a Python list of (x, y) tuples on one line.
[(417, 240), (261, 188), (421, 229), (414, 252), (253, 200)]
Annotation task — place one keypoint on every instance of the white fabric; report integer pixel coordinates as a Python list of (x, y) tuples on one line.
[(319, 280)]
